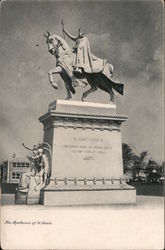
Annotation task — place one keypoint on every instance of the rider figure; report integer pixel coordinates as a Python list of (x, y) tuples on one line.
[(78, 49), (84, 60)]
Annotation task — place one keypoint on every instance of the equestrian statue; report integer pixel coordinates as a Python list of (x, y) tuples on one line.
[(79, 67)]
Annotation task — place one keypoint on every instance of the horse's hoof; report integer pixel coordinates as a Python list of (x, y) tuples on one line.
[(54, 85), (83, 98), (112, 101), (68, 98)]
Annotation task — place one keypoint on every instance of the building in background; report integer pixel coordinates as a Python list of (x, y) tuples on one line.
[(12, 169)]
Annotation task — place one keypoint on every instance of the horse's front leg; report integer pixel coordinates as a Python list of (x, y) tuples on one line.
[(69, 96), (57, 70)]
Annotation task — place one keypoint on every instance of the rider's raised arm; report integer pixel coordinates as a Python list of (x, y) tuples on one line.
[(74, 38)]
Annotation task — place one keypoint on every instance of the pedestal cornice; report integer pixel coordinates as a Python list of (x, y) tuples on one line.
[(66, 120)]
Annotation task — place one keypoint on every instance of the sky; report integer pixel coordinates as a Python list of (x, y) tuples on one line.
[(129, 34)]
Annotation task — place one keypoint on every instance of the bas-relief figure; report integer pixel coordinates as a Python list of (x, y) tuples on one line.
[(79, 66), (38, 176)]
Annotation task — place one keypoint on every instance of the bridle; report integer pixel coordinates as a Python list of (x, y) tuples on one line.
[(59, 44)]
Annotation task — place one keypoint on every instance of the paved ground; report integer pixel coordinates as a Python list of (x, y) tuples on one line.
[(139, 226)]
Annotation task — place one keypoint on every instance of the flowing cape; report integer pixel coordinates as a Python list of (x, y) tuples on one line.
[(87, 61)]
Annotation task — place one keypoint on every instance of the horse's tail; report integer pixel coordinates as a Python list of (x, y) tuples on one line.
[(119, 87), (107, 73)]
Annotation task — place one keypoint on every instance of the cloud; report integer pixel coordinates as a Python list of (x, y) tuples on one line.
[(153, 71), (29, 67), (101, 44), (158, 54), (128, 57), (130, 52)]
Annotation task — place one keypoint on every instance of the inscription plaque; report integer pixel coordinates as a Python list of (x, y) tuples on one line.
[(87, 153)]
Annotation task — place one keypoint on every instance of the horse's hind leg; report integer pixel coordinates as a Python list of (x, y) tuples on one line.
[(112, 95), (86, 93)]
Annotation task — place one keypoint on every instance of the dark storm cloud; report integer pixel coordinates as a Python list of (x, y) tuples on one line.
[(129, 34)]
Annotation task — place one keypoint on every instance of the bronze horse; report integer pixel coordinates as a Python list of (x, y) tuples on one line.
[(58, 47)]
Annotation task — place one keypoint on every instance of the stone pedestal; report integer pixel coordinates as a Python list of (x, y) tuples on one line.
[(30, 195), (86, 162)]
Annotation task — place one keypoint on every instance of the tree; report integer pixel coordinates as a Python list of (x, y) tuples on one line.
[(128, 156), (143, 159)]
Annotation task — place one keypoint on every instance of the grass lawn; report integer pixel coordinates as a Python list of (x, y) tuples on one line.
[(153, 189)]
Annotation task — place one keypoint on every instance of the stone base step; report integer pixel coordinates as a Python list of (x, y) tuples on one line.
[(20, 198), (87, 197), (27, 198)]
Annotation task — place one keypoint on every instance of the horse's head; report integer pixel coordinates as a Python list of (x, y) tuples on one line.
[(55, 42), (52, 42)]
